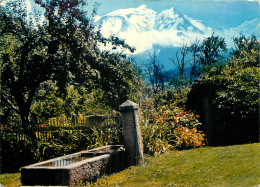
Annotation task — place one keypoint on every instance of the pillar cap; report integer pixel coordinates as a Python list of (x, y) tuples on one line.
[(128, 105)]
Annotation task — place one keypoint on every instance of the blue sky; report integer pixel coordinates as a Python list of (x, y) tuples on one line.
[(214, 13)]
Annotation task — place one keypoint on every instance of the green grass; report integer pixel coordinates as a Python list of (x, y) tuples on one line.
[(10, 179), (237, 165)]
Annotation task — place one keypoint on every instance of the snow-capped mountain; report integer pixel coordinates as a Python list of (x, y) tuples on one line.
[(172, 19), (247, 28), (142, 27), (148, 30), (144, 19), (137, 19)]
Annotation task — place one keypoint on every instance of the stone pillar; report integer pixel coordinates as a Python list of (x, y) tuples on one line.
[(132, 132)]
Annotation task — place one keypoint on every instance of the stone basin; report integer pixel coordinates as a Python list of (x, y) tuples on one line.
[(77, 168)]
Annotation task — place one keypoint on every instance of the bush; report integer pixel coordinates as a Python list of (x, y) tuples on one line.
[(17, 150), (15, 154), (228, 99), (161, 129)]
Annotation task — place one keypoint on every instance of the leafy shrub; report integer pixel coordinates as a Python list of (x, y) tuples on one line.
[(227, 98), (63, 142), (15, 153), (161, 129), (188, 138)]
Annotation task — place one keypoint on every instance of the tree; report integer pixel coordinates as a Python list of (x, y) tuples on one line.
[(61, 48), (244, 45), (227, 98), (212, 50), (157, 75), (194, 62), (180, 80)]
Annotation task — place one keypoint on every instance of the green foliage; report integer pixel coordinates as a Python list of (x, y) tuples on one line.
[(241, 95), (48, 103), (52, 62), (212, 50), (164, 129), (179, 96), (111, 135), (232, 96), (12, 151), (200, 58), (63, 142)]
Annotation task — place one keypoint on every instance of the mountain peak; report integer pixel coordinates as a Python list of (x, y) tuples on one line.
[(171, 11), (142, 7)]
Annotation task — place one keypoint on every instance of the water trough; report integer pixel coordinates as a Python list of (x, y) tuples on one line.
[(76, 168)]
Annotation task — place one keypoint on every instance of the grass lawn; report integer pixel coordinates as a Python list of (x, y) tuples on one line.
[(237, 165), (10, 179)]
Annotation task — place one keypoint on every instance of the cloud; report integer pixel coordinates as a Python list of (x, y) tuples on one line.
[(145, 40)]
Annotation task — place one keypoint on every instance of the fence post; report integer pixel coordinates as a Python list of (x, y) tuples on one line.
[(132, 132)]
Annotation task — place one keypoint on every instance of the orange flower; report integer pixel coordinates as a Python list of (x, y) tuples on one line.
[(164, 114), (164, 119), (181, 115), (147, 104), (190, 119), (197, 116), (43, 125)]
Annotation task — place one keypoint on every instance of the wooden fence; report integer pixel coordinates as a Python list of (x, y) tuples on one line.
[(45, 131)]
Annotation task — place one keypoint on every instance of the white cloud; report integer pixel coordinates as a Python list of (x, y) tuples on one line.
[(145, 40)]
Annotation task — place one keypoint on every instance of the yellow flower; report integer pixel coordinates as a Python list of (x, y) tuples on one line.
[(163, 107), (80, 117)]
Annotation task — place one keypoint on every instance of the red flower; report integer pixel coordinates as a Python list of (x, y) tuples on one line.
[(181, 115), (164, 119), (145, 115), (164, 114), (147, 104)]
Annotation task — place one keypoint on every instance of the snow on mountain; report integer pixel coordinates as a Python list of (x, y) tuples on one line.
[(247, 28), (137, 19), (175, 20), (142, 27)]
